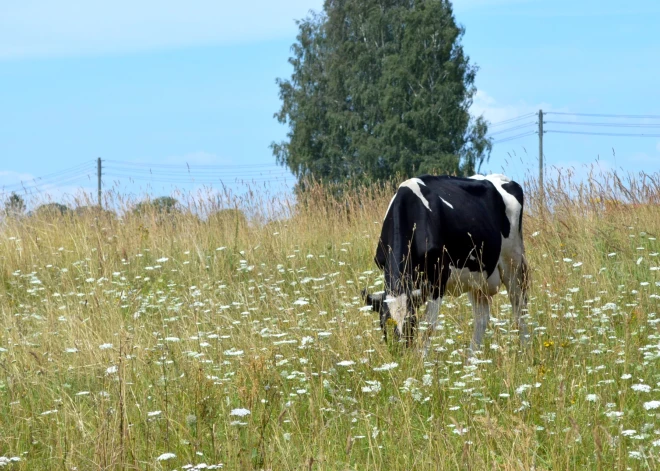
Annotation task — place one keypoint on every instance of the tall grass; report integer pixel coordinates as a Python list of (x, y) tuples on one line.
[(142, 341)]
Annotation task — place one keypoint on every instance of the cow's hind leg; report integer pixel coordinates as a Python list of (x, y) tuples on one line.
[(516, 279), (481, 311), (432, 313)]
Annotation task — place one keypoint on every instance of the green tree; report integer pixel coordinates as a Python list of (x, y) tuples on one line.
[(160, 205), (51, 210), (380, 87), (14, 205)]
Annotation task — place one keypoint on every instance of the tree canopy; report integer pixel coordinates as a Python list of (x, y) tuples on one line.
[(380, 87), (14, 205)]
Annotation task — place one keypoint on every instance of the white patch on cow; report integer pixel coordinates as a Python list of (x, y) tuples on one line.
[(511, 204), (398, 309), (446, 202), (414, 185), (389, 206)]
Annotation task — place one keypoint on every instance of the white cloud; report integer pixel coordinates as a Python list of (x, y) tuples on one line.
[(486, 105), (31, 28), (11, 178)]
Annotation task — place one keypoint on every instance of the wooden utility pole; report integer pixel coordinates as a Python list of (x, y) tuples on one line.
[(541, 188), (98, 174)]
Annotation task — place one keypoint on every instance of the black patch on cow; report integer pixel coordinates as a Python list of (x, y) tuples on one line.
[(417, 245)]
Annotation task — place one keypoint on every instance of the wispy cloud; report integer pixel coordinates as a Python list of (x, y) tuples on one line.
[(11, 178), (493, 111), (73, 27)]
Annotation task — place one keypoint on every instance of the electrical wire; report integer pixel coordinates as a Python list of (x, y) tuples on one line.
[(80, 169), (599, 115), (518, 136), (511, 129), (188, 176), (34, 185), (39, 189), (157, 179), (187, 165), (192, 174), (511, 120), (609, 125), (602, 133)]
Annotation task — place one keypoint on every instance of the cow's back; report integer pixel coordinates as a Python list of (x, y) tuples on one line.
[(437, 222)]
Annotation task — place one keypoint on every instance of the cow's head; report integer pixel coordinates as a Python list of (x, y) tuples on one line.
[(400, 309)]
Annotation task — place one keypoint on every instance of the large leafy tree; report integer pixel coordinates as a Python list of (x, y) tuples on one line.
[(380, 87)]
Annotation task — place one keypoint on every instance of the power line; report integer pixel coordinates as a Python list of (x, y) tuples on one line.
[(60, 173), (225, 181), (187, 165), (38, 189), (511, 120), (512, 129), (603, 133), (77, 172), (599, 115), (191, 174), (518, 136), (610, 125), (188, 176)]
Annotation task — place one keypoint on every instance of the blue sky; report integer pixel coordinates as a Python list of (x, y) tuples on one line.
[(169, 83)]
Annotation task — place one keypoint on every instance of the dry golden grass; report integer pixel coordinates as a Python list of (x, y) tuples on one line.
[(124, 339)]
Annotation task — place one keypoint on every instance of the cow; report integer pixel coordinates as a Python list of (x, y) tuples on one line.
[(451, 235)]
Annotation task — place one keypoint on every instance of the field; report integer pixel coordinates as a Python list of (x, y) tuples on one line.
[(169, 341)]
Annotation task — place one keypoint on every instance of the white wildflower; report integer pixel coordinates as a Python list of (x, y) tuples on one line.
[(387, 366), (233, 352), (641, 387), (522, 388), (651, 405), (372, 387)]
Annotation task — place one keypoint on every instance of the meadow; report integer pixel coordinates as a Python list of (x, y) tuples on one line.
[(170, 341)]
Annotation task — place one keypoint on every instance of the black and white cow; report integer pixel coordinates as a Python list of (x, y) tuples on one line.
[(450, 235)]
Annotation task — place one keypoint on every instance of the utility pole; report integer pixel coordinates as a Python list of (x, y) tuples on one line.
[(98, 173), (541, 188)]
